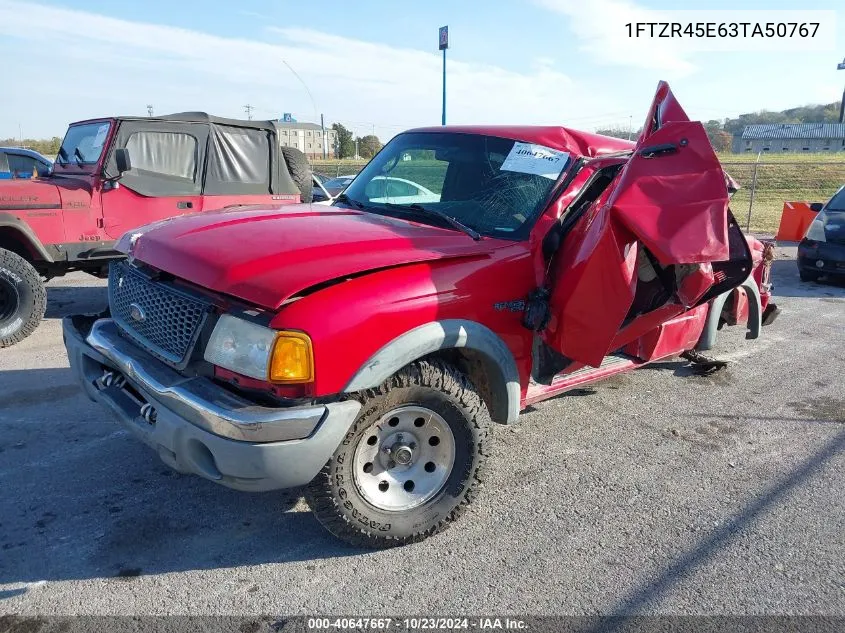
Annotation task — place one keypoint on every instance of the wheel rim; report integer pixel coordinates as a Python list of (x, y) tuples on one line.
[(404, 459), (9, 300)]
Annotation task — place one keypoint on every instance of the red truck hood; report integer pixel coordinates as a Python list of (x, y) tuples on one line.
[(264, 255)]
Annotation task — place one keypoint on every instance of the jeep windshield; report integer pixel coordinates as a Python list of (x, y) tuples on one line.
[(83, 145), (493, 185)]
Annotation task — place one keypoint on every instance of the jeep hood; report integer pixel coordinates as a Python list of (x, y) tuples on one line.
[(27, 194), (20, 194), (265, 255)]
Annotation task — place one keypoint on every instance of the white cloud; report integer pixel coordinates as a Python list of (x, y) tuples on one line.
[(101, 65), (599, 26)]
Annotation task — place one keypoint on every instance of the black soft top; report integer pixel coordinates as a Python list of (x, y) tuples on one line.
[(193, 117), (204, 117), (192, 153)]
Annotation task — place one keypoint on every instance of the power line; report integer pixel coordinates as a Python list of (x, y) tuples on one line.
[(304, 85), (248, 109)]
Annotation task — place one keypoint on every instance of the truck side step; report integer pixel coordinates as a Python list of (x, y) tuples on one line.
[(563, 382)]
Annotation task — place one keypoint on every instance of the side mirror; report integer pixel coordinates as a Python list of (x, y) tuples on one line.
[(816, 206), (122, 160)]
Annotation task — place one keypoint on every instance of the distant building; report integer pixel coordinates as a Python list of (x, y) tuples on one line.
[(790, 137), (307, 138)]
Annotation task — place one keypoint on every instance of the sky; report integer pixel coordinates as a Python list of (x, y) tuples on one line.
[(374, 65)]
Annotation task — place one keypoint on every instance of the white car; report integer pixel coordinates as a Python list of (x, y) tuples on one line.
[(321, 195), (398, 191)]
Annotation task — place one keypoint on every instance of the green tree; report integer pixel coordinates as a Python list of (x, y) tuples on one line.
[(618, 132), (48, 147), (721, 141), (719, 138), (368, 146), (345, 143)]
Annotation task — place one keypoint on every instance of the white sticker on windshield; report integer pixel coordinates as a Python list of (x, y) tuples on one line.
[(101, 136), (530, 158)]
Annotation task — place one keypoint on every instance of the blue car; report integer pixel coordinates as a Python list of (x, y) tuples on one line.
[(17, 162)]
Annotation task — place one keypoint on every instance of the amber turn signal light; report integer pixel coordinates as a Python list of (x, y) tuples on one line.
[(292, 359)]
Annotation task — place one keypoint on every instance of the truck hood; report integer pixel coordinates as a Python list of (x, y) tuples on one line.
[(265, 255)]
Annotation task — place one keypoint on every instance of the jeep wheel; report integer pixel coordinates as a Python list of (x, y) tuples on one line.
[(300, 172), (23, 299), (411, 462)]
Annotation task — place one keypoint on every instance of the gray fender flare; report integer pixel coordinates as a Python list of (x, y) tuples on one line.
[(755, 317), (499, 365), (14, 222)]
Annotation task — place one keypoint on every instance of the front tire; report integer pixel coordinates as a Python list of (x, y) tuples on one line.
[(411, 463), (23, 298), (808, 275)]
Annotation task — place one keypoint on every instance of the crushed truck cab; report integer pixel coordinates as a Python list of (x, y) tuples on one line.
[(365, 348)]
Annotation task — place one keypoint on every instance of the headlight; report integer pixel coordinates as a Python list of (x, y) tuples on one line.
[(259, 352), (816, 229)]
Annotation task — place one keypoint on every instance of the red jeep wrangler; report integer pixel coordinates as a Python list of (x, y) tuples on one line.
[(112, 175), (363, 349)]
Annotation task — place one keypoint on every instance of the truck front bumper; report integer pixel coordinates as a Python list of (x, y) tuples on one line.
[(197, 426)]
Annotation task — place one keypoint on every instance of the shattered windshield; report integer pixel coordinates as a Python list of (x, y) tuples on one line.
[(493, 185), (83, 144)]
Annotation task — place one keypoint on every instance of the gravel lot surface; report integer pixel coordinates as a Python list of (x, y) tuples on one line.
[(659, 491)]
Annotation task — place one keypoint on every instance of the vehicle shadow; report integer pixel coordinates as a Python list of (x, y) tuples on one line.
[(64, 301), (90, 501), (646, 597), (787, 283)]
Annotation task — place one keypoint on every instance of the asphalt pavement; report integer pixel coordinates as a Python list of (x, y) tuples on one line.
[(658, 491)]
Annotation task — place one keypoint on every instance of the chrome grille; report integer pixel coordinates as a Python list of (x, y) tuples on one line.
[(160, 318)]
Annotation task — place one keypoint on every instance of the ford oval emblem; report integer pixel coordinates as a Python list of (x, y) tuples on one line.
[(137, 313)]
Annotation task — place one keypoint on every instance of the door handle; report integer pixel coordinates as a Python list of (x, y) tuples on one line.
[(184, 204), (659, 150)]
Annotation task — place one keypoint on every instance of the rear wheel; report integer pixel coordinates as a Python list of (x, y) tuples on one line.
[(411, 462), (808, 275), (300, 172), (23, 298)]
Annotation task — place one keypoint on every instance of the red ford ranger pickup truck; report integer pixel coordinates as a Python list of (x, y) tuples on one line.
[(364, 349), (112, 175)]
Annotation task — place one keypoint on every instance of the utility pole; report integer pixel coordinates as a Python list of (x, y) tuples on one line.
[(323, 128), (357, 156), (444, 44), (753, 190), (248, 109), (842, 103), (149, 110)]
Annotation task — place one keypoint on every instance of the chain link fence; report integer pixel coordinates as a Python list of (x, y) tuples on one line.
[(336, 168), (765, 184)]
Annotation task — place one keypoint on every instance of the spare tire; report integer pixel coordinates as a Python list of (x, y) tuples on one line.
[(300, 172)]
